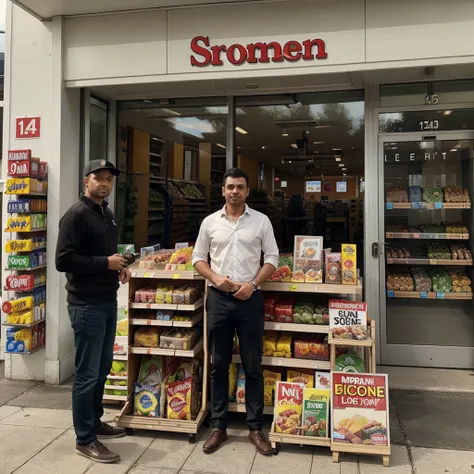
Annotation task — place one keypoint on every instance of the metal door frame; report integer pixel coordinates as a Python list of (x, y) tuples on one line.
[(408, 354)]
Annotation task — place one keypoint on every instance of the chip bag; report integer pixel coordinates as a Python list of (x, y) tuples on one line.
[(301, 377), (147, 400), (270, 380), (179, 399), (288, 407)]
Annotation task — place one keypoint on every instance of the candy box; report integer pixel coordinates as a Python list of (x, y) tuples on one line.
[(288, 407), (19, 340), (349, 264), (20, 282)]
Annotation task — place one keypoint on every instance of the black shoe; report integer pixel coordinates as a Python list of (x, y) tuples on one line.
[(97, 452), (107, 431)]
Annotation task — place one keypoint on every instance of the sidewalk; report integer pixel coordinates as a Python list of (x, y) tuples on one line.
[(36, 436)]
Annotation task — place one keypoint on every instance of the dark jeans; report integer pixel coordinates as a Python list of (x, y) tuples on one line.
[(94, 336), (226, 314)]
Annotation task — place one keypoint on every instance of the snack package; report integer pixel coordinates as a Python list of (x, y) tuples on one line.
[(308, 259), (284, 311), (432, 194), (269, 305), (415, 193), (288, 407), (333, 267), (119, 368), (315, 415), (349, 264), (310, 346), (322, 380), (300, 377), (146, 337), (240, 394), (270, 380), (179, 399), (285, 268), (269, 343), (147, 400), (397, 194), (283, 346), (151, 370), (456, 194), (236, 349), (232, 381)]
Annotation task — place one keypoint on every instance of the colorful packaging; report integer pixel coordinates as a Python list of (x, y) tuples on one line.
[(349, 264), (147, 337), (315, 416), (240, 394), (317, 394), (269, 343), (147, 400), (19, 340), (308, 259), (15, 306), (283, 346), (288, 407), (322, 380), (151, 370), (270, 380), (333, 267), (232, 381), (179, 399), (300, 377)]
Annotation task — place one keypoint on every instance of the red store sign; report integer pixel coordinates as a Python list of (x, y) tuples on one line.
[(253, 53)]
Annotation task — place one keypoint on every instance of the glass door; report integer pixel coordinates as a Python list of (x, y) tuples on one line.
[(426, 188)]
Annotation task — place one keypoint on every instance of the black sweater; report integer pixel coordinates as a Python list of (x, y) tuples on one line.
[(87, 236)]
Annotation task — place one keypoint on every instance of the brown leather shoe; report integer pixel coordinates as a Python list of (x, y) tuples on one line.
[(107, 431), (215, 440), (97, 452), (257, 438)]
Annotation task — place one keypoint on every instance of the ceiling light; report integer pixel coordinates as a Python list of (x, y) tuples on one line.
[(341, 165), (148, 101), (344, 169), (344, 174), (318, 143), (220, 145), (241, 130), (264, 146), (284, 133), (338, 158), (294, 145), (337, 149), (454, 149), (322, 126), (448, 112), (289, 162)]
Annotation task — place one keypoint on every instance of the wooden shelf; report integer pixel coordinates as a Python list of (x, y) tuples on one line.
[(166, 274), (120, 357), (293, 327), (168, 352), (284, 286), (117, 377), (290, 362), (240, 408), (350, 342), (427, 205), (115, 398), (297, 439), (428, 261), (430, 295), (169, 307)]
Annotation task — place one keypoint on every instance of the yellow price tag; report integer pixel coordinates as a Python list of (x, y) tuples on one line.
[(176, 276), (433, 261), (147, 275), (294, 288)]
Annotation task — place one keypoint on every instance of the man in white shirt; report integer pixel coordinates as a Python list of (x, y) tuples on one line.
[(235, 238)]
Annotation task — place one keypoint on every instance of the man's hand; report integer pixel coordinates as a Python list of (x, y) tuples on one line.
[(223, 283), (116, 262), (245, 291), (125, 275)]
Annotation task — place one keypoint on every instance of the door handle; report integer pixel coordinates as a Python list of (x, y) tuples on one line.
[(375, 249)]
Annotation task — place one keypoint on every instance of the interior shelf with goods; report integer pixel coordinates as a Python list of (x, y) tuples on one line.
[(157, 152), (218, 169), (24, 298), (428, 250)]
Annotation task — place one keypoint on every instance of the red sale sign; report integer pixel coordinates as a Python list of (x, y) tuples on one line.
[(28, 127)]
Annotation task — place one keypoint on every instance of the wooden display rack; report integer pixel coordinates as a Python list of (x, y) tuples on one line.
[(384, 451), (126, 419)]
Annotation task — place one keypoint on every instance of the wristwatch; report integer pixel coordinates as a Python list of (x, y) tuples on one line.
[(254, 285)]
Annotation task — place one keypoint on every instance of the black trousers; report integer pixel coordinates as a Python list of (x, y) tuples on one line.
[(225, 314), (94, 336)]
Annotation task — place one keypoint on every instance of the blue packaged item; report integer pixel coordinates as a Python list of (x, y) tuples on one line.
[(147, 400), (415, 194)]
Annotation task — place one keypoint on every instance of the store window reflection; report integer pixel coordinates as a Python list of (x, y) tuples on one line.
[(172, 154), (304, 154)]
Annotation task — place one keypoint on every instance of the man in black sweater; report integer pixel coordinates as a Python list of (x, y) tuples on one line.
[(87, 253)]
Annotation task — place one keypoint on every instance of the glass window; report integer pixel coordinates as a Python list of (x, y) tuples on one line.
[(99, 111)]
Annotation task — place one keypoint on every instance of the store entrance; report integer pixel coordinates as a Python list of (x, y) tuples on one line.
[(426, 264)]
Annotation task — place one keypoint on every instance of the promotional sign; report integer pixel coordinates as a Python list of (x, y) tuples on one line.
[(21, 164), (28, 127), (313, 186), (341, 187), (348, 319), (307, 258), (360, 409)]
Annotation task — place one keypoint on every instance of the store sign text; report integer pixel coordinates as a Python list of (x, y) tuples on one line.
[(253, 53), (428, 156)]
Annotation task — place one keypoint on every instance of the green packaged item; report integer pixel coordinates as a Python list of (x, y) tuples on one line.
[(350, 363), (441, 280), (432, 194), (315, 416), (151, 370)]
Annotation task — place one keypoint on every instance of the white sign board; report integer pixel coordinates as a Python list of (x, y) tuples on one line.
[(313, 186), (348, 319), (341, 187)]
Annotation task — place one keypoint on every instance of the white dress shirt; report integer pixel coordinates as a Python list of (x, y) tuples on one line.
[(236, 247)]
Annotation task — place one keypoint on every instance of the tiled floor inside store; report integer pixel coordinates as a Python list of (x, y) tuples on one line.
[(37, 437)]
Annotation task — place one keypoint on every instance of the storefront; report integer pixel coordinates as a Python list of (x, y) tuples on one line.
[(88, 74)]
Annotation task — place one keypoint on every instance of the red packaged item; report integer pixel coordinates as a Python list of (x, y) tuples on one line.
[(309, 346), (20, 282), (270, 303), (284, 311)]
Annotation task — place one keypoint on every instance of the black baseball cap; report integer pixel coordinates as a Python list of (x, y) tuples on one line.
[(99, 165)]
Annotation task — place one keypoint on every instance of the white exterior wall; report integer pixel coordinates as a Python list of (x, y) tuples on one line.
[(34, 86)]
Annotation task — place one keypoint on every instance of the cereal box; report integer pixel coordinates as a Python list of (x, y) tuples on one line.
[(270, 380), (349, 264), (301, 377), (307, 265), (315, 415), (288, 407)]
